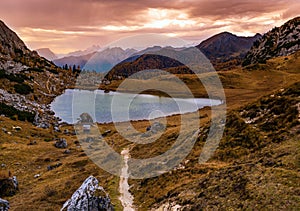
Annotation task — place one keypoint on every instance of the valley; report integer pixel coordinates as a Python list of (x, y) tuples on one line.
[(255, 166)]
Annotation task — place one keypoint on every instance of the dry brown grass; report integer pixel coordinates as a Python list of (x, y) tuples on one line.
[(53, 188)]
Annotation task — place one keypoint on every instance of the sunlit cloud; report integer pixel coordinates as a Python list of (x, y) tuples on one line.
[(77, 24)]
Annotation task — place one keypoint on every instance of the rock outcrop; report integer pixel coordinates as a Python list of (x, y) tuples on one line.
[(90, 196), (280, 41), (61, 143), (4, 205)]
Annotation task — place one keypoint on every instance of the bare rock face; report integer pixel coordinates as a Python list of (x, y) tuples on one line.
[(280, 41), (89, 197), (4, 205)]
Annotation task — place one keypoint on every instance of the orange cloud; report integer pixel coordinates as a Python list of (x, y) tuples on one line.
[(76, 24)]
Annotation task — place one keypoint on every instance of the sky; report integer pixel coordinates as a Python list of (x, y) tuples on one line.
[(69, 25)]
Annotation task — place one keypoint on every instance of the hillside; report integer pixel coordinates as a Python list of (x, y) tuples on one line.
[(147, 62), (167, 59), (256, 165), (225, 47), (280, 41), (258, 161), (28, 82)]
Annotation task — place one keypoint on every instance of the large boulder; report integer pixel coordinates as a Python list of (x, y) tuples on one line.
[(86, 118), (61, 143), (89, 197), (4, 205)]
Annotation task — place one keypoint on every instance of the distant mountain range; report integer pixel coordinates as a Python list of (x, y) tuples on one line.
[(74, 60), (101, 61), (89, 50), (104, 60), (224, 50), (46, 53), (167, 59), (280, 41)]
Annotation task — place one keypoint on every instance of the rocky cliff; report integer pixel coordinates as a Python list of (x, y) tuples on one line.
[(280, 41)]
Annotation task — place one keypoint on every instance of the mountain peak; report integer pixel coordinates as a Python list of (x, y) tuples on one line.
[(46, 53), (226, 46)]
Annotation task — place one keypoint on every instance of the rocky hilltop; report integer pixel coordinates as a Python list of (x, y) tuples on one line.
[(280, 41)]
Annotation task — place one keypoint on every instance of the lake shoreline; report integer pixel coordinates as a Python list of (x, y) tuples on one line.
[(71, 104)]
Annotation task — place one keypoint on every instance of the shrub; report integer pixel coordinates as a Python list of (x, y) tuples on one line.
[(23, 89), (11, 112)]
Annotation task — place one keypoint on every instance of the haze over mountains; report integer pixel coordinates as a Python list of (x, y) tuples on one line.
[(219, 49), (46, 53), (224, 50)]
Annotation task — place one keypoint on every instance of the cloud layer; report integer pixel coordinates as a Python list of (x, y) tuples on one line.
[(76, 24)]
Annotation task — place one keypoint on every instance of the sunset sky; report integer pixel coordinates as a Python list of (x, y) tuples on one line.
[(68, 25)]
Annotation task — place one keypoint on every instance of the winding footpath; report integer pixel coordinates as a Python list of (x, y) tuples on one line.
[(125, 196)]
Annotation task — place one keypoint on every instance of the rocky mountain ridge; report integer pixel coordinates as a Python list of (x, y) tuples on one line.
[(28, 82), (280, 41)]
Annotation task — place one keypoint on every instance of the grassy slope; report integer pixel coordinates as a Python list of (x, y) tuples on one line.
[(256, 165), (227, 175)]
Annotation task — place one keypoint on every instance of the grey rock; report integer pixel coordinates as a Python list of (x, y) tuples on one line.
[(56, 129), (67, 152), (90, 196), (4, 205), (156, 127), (51, 167), (61, 143), (280, 41), (37, 176), (89, 139)]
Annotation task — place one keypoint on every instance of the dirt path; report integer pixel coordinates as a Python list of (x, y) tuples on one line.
[(47, 83), (125, 196)]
